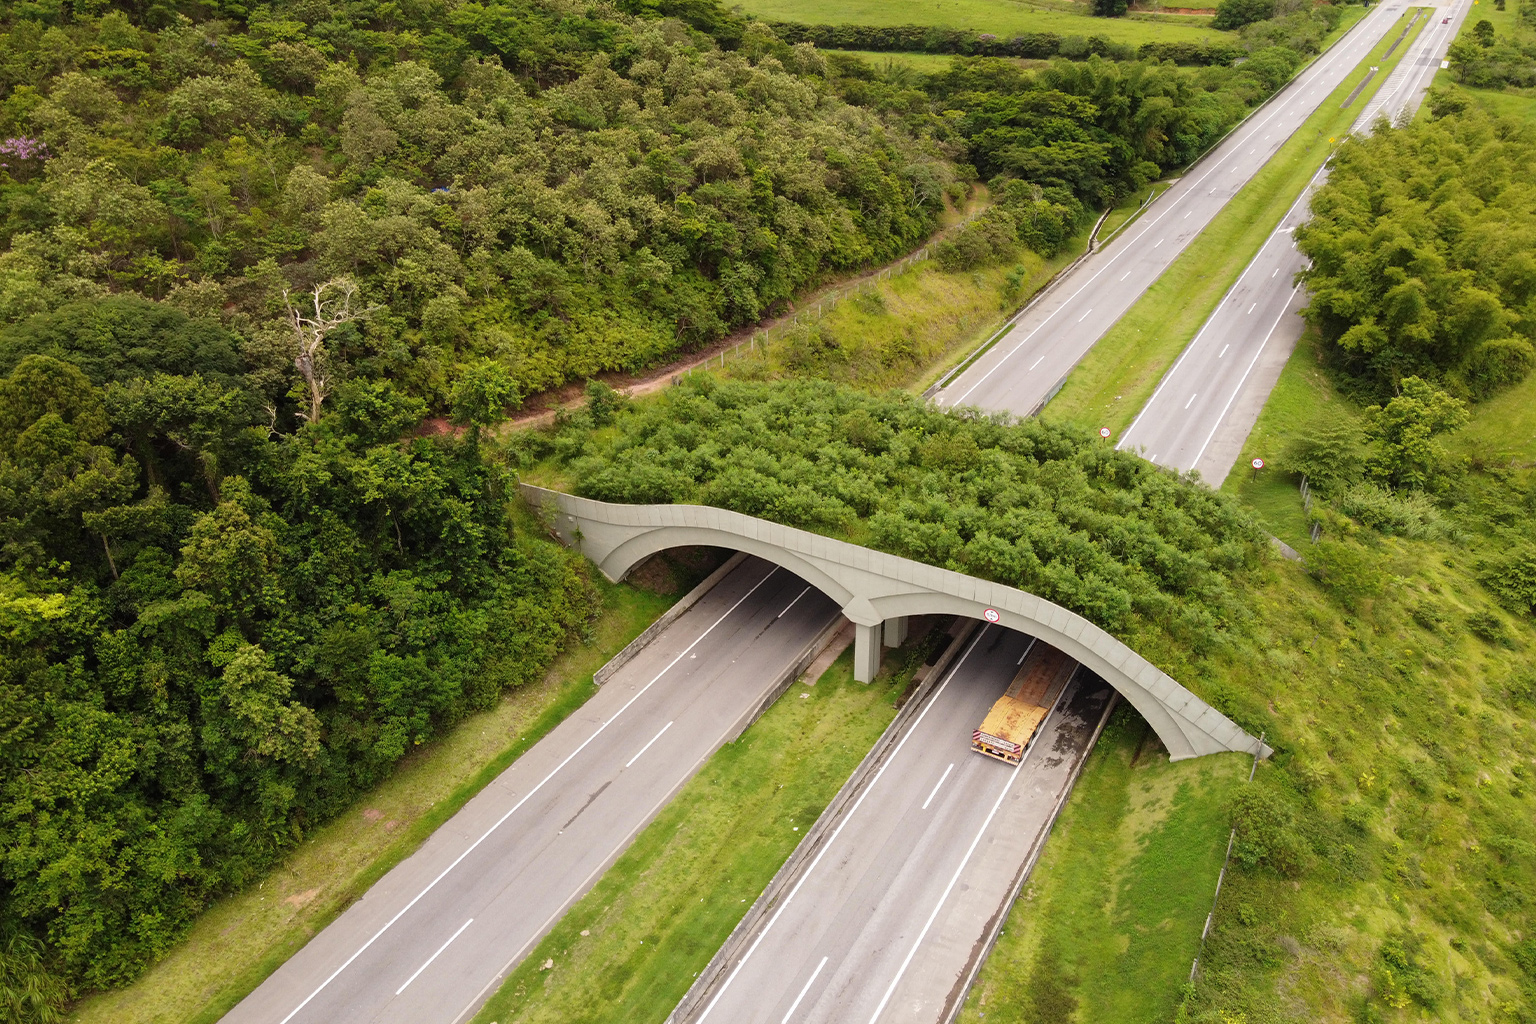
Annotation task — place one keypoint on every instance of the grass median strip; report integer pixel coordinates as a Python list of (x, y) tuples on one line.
[(632, 946), (242, 939), (1118, 376), (1106, 927)]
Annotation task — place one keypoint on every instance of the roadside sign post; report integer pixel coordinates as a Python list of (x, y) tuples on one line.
[(1104, 433), (1258, 464)]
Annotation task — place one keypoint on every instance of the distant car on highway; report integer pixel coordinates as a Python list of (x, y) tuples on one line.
[(1445, 21)]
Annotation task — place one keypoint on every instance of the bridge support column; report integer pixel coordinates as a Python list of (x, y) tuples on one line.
[(866, 652), (895, 631)]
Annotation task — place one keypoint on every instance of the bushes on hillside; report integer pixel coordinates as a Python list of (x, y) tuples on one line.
[(1232, 14), (1421, 246)]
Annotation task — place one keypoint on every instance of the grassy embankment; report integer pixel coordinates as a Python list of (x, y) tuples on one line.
[(1111, 917), (901, 331), (238, 941), (1517, 103), (1000, 17), (631, 947), (1117, 377)]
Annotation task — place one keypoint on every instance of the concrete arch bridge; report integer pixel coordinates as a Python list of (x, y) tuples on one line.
[(878, 591)]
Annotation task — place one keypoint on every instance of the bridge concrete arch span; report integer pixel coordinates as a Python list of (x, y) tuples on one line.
[(879, 591)]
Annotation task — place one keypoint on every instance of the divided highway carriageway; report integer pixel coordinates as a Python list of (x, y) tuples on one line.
[(1028, 364), (895, 900)]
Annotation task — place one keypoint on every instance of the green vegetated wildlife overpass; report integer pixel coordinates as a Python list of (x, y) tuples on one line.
[(879, 591)]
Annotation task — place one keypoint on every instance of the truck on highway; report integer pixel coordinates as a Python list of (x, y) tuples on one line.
[(1006, 731)]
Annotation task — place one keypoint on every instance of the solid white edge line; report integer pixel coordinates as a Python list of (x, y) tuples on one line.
[(499, 821), (1244, 378), (912, 729), (1012, 778), (807, 987), (937, 785), (434, 956), (1314, 71), (648, 745), (791, 604)]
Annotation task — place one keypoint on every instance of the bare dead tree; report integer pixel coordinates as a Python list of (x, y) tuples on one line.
[(327, 307)]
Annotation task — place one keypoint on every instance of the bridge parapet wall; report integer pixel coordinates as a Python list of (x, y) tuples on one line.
[(873, 587)]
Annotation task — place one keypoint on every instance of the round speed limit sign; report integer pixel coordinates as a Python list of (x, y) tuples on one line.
[(1104, 433), (991, 615), (1258, 463)]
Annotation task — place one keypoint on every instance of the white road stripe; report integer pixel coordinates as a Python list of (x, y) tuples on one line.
[(1037, 362), (648, 745), (936, 785), (434, 956), (1191, 399), (1223, 351), (499, 821), (1085, 315), (1246, 372), (796, 1004), (791, 604)]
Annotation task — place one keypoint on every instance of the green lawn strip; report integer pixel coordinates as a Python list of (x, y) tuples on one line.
[(1110, 920), (1504, 429), (1117, 377), (927, 63), (1000, 17), (1303, 397), (242, 939), (629, 949)]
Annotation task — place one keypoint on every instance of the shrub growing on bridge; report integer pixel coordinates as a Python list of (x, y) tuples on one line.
[(1045, 508)]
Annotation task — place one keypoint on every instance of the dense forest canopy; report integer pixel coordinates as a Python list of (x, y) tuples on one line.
[(214, 634), (1423, 255), (565, 189)]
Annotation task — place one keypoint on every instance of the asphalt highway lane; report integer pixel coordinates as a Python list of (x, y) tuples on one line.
[(1201, 414), (1027, 365), (889, 917), (427, 944)]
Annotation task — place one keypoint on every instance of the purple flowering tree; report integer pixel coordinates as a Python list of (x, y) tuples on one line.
[(22, 154)]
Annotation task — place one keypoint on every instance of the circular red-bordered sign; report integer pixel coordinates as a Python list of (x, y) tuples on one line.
[(991, 615), (1258, 463), (1104, 433)]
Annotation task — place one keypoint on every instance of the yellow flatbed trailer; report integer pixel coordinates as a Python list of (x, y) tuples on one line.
[(1006, 731)]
